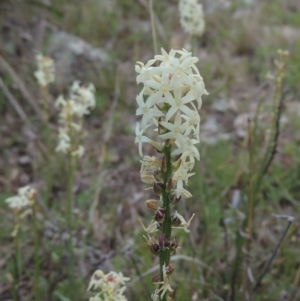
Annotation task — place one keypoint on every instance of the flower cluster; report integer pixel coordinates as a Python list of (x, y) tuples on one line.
[(83, 97), (20, 203), (24, 198), (109, 287), (168, 105), (72, 110), (191, 17), (46, 72)]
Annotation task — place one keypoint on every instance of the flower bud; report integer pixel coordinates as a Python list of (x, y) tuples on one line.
[(169, 184), (175, 220), (186, 194), (155, 278), (154, 248), (158, 174), (173, 199), (176, 162), (170, 268), (160, 214), (158, 188), (174, 245), (146, 178), (167, 244), (163, 242), (152, 204)]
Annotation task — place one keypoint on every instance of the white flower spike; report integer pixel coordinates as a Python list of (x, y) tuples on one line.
[(72, 111), (172, 90), (46, 71), (191, 17)]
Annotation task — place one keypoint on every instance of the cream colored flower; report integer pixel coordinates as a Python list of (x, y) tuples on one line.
[(16, 202), (182, 223), (24, 198), (152, 228), (164, 286), (72, 110), (84, 98), (46, 71), (167, 104), (64, 144), (108, 287), (191, 17), (181, 176), (78, 152)]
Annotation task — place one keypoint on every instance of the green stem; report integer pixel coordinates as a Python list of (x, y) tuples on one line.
[(48, 169), (36, 255), (153, 26), (17, 271), (70, 221), (193, 43), (165, 254), (249, 210), (70, 196), (70, 176), (44, 93)]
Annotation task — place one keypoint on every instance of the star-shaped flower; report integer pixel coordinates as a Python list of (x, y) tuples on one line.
[(175, 129)]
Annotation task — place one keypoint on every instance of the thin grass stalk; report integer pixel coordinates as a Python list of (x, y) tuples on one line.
[(296, 285), (70, 222), (36, 255), (273, 142), (154, 38), (77, 143), (250, 205), (71, 171), (255, 183), (17, 269), (139, 274), (235, 275), (193, 42), (267, 267), (203, 197), (44, 93), (17, 261), (278, 99), (226, 247)]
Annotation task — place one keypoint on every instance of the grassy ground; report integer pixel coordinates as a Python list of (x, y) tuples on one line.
[(236, 52)]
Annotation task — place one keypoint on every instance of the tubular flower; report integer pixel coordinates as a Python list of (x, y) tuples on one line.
[(191, 17), (46, 72), (108, 287)]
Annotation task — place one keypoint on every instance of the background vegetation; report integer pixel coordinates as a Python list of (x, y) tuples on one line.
[(99, 42)]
